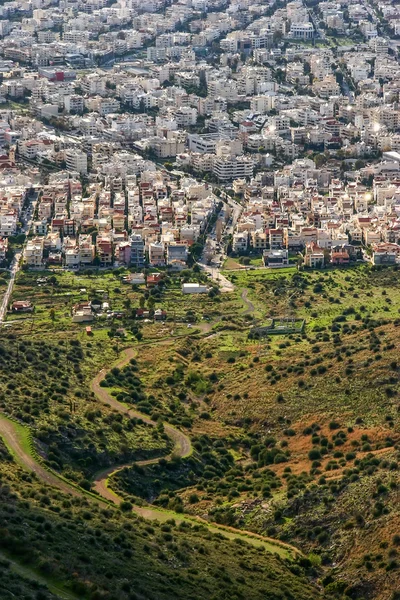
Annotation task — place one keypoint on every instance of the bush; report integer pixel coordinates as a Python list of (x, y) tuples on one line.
[(314, 454)]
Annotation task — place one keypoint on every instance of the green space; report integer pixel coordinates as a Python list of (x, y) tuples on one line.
[(123, 556), (294, 437), (48, 393), (342, 41)]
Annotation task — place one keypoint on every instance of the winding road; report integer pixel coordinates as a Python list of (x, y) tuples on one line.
[(249, 305), (17, 437), (182, 445)]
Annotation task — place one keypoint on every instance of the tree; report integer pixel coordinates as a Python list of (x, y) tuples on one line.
[(339, 77), (320, 160), (359, 164)]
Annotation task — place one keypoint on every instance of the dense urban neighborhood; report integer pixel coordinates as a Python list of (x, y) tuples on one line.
[(199, 299), (132, 121)]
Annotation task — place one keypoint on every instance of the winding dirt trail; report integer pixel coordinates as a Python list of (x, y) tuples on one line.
[(183, 449), (16, 437), (250, 306), (182, 445)]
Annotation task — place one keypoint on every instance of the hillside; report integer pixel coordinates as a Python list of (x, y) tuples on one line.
[(288, 439), (97, 552)]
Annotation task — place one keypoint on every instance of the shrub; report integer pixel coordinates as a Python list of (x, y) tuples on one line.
[(314, 454)]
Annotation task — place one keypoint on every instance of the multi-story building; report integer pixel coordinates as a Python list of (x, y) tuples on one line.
[(137, 251), (3, 250), (227, 168), (76, 160), (304, 31), (157, 254), (176, 253), (34, 252)]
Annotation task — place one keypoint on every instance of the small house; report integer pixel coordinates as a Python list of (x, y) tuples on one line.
[(153, 279), (314, 256), (160, 315), (22, 306), (275, 258), (384, 258), (340, 257), (135, 279), (82, 312)]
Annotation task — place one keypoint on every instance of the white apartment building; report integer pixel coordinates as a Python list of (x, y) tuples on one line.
[(232, 167), (76, 160), (73, 103), (225, 88), (240, 242), (8, 224), (93, 85), (304, 31), (76, 37), (72, 257)]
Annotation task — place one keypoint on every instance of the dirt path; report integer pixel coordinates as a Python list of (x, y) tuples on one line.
[(182, 445), (250, 306), (17, 439), (182, 448)]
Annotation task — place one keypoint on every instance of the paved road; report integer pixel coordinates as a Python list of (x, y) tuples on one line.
[(8, 292), (26, 216), (224, 284)]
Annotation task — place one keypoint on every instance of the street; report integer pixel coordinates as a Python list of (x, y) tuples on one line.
[(7, 295), (26, 219), (214, 253)]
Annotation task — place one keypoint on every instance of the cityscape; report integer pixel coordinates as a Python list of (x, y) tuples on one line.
[(199, 299)]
